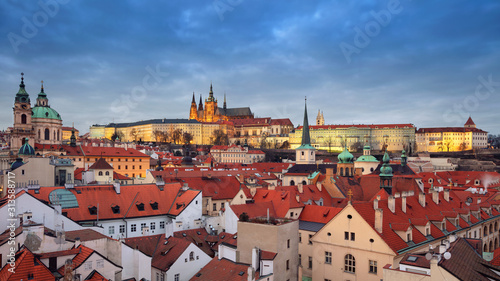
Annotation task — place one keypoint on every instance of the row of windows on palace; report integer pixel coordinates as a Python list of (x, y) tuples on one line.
[(133, 227), (110, 160), (349, 263)]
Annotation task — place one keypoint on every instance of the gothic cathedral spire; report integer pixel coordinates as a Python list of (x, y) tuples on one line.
[(306, 138)]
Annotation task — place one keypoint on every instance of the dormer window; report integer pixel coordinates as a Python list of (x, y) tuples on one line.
[(477, 182), (93, 210), (140, 206), (154, 205), (115, 209)]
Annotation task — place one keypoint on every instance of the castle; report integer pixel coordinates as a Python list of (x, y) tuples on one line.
[(211, 112)]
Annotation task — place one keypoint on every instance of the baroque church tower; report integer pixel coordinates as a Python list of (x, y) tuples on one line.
[(22, 129), (320, 120)]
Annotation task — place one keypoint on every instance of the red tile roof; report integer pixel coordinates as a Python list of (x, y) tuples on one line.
[(26, 264), (69, 252), (372, 126), (253, 210), (97, 151), (79, 259), (449, 129), (222, 269), (199, 237), (95, 276), (265, 255), (85, 235), (320, 214), (171, 200), (100, 164), (470, 122)]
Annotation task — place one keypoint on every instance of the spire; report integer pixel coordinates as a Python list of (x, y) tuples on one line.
[(306, 138), (193, 101), (41, 91), (22, 95), (200, 106), (211, 93), (73, 137), (224, 106)]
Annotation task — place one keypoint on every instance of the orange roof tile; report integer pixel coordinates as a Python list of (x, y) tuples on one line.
[(26, 265), (222, 269)]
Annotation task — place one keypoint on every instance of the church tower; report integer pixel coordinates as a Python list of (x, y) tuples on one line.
[(22, 129), (320, 120), (193, 113), (210, 107), (386, 174), (305, 153)]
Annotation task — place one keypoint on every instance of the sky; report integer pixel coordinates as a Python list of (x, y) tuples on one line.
[(429, 63)]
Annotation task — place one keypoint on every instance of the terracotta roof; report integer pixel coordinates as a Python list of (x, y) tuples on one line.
[(79, 259), (164, 252), (117, 176), (449, 129), (470, 122), (372, 126), (100, 164), (69, 252), (199, 237), (171, 200), (26, 263), (222, 269), (85, 235), (281, 122), (95, 276), (253, 210), (98, 151), (319, 214), (265, 255)]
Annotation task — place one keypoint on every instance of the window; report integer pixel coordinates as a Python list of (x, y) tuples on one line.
[(119, 167), (88, 265), (346, 235), (100, 173), (222, 205), (300, 259), (310, 236), (30, 276), (373, 267), (177, 277), (162, 225), (191, 256), (99, 263), (288, 243), (214, 208), (287, 264), (353, 236), (310, 265), (133, 227), (300, 237), (349, 264), (328, 257), (162, 277), (153, 226), (111, 229), (143, 225), (107, 173), (122, 228)]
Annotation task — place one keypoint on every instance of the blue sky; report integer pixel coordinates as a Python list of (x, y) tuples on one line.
[(430, 63)]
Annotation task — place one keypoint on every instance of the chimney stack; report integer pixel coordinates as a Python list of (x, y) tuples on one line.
[(319, 186), (378, 220), (300, 187), (421, 199), (329, 172), (375, 204), (446, 194), (391, 203), (403, 202), (435, 196)]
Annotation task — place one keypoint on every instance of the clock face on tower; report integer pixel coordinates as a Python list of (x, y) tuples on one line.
[(24, 106)]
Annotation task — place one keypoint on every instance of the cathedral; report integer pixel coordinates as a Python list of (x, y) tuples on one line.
[(211, 112), (39, 124)]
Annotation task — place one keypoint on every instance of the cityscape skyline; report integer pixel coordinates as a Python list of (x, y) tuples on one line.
[(96, 57)]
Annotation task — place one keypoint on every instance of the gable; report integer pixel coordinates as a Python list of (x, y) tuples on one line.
[(349, 220)]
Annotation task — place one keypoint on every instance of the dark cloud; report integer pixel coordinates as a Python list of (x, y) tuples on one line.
[(421, 67)]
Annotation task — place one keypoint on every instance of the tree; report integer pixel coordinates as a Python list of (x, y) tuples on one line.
[(263, 141), (220, 138), (176, 136), (462, 146), (187, 138), (163, 136), (133, 134), (117, 136), (285, 145), (157, 135), (448, 144), (328, 142), (356, 147)]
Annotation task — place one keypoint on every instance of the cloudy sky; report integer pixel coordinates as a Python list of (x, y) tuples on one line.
[(430, 63)]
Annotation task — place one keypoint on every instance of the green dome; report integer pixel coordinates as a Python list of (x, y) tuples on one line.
[(26, 149), (18, 163), (366, 158), (345, 156), (386, 169), (45, 112)]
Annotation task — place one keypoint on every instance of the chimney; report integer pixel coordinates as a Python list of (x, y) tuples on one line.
[(397, 195), (241, 178), (329, 172), (391, 203), (479, 200), (255, 258), (403, 201), (319, 186), (435, 196), (297, 197), (421, 199), (253, 190), (300, 187), (378, 220), (185, 187), (375, 204), (116, 185), (446, 194)]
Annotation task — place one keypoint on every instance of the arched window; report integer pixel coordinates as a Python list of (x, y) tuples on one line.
[(491, 246), (304, 182), (349, 263), (57, 134), (107, 173), (54, 135), (496, 226), (485, 248), (496, 243), (100, 173), (491, 228), (485, 231), (23, 119), (39, 136), (341, 171), (292, 182), (47, 134), (371, 169), (191, 256)]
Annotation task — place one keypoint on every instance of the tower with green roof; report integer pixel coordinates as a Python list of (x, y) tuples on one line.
[(305, 153), (46, 121), (386, 174), (22, 128)]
